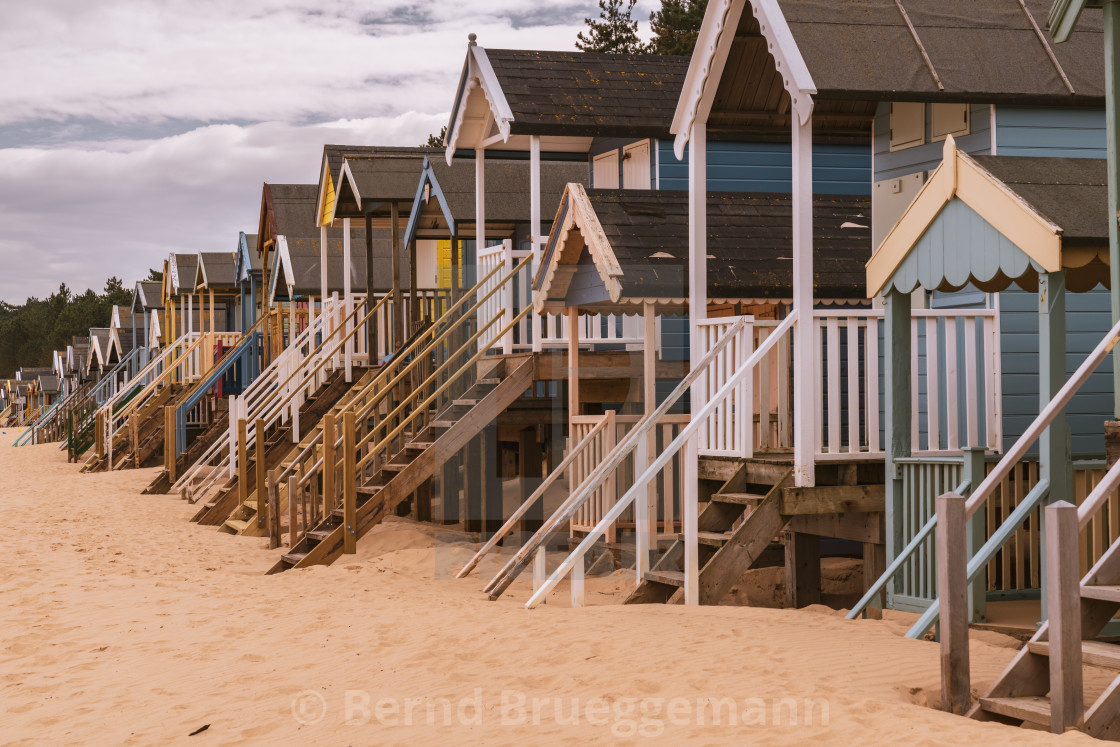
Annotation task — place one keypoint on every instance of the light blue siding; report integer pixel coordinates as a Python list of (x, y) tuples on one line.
[(768, 167), (926, 157), (1051, 133)]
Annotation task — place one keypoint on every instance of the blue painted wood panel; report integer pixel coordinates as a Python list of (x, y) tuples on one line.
[(1087, 320), (768, 167), (1052, 133), (926, 157)]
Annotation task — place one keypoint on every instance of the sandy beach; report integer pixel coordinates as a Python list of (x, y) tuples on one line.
[(123, 623)]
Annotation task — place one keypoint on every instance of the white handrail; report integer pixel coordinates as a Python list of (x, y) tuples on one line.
[(631, 440)]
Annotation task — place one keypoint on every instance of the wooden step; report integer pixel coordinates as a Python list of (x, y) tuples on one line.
[(1032, 708), (488, 382), (420, 445), (292, 558), (393, 467), (739, 499), (670, 578), (715, 539), (318, 535), (1103, 593), (1095, 653), (443, 423), (370, 489), (464, 402), (236, 525)]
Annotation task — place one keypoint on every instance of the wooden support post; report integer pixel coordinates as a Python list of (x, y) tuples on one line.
[(805, 356), (577, 582), (413, 292), (268, 506), (491, 481), (398, 299), (874, 564), (803, 570), (1055, 460), (975, 470), (371, 327), (472, 486), (529, 470), (170, 451), (349, 484), (293, 509), (645, 507), (1064, 615), (1112, 85), (134, 439), (456, 269), (540, 567), (573, 363), (897, 403), (262, 507), (449, 485), (348, 292), (243, 461), (952, 591), (330, 435)]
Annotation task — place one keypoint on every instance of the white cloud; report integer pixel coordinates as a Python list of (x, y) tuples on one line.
[(80, 213), (140, 127)]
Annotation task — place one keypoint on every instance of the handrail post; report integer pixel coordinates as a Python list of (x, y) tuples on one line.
[(897, 414), (1064, 615), (262, 504), (349, 485), (330, 433), (1055, 463), (973, 472), (243, 461), (952, 590), (169, 449)]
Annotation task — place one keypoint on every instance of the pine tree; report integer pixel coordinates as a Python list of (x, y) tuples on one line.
[(676, 26), (615, 30), (436, 141)]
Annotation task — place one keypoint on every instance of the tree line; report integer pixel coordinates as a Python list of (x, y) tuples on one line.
[(30, 331)]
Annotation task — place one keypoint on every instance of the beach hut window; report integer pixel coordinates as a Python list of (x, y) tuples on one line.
[(604, 172), (948, 119), (908, 125)]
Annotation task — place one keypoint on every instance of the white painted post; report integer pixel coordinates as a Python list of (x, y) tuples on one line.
[(322, 262), (540, 568), (645, 511), (479, 201), (535, 226), (507, 296), (233, 415), (346, 291), (804, 363), (697, 312), (577, 583)]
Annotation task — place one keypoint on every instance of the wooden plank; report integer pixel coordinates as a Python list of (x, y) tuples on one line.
[(272, 509), (293, 509), (1063, 606), (262, 515), (242, 460), (857, 527), (330, 435), (349, 484), (832, 499), (952, 591), (803, 570)]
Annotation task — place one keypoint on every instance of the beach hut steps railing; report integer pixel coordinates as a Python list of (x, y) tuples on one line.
[(424, 391), (983, 491), (276, 395), (1044, 685), (637, 439)]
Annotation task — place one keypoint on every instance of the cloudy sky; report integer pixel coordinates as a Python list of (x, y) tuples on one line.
[(133, 128)]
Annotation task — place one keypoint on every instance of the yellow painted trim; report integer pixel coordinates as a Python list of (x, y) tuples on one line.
[(960, 176), (328, 202)]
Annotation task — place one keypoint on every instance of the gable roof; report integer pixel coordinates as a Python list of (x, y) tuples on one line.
[(247, 258), (452, 204), (1008, 219), (148, 295), (783, 54), (382, 175), (216, 271), (182, 269), (563, 94), (637, 241)]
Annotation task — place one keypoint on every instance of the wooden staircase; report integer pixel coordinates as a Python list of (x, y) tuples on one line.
[(243, 518), (1022, 694), (447, 433), (134, 449), (224, 506), (737, 525), (161, 485)]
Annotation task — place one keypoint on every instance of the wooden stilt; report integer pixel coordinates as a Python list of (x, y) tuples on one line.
[(952, 590), (349, 485), (262, 508), (1067, 704), (330, 435)]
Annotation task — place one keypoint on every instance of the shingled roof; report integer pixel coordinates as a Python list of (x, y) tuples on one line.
[(183, 268), (840, 59), (1071, 192), (216, 271), (589, 94), (147, 296), (638, 241)]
